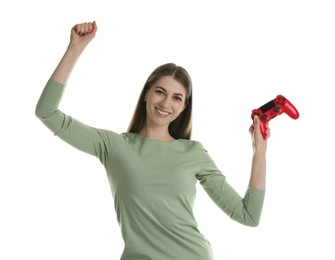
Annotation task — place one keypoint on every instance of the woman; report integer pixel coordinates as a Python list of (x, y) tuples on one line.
[(154, 167)]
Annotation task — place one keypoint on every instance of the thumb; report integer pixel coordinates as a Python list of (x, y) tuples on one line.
[(256, 121), (257, 127)]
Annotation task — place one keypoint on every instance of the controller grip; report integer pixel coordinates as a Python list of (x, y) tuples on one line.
[(263, 129), (292, 111)]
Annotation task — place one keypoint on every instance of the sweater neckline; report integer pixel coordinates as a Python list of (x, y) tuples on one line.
[(149, 139)]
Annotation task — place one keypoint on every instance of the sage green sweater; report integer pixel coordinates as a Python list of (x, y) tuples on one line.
[(153, 184)]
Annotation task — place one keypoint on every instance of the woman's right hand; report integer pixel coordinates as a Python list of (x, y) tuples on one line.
[(82, 34)]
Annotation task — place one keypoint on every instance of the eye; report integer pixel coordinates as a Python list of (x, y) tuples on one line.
[(178, 98), (159, 92)]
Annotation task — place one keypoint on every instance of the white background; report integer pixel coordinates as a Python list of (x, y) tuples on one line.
[(55, 202)]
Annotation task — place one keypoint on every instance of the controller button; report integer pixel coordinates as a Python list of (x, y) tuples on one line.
[(277, 109), (264, 116), (282, 103)]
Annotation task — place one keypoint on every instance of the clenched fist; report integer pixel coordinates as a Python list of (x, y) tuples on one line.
[(83, 33)]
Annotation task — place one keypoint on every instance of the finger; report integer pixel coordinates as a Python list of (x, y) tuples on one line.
[(78, 28), (251, 128), (89, 27), (256, 122), (83, 28), (268, 133), (95, 27)]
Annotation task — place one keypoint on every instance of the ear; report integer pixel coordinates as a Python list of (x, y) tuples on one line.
[(145, 97)]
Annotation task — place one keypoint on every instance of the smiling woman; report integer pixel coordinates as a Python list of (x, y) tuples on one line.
[(154, 167), (163, 105), (172, 86)]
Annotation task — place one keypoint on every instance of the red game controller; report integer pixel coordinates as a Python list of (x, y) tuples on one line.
[(272, 109)]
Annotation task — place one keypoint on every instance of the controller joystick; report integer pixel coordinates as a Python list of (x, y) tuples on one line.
[(272, 109)]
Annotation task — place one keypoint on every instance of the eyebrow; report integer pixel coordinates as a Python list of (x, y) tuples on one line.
[(160, 87)]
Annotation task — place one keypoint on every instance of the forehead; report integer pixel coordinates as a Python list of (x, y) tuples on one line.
[(170, 84)]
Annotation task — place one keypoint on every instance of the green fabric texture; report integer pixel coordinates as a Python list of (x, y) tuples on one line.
[(153, 184)]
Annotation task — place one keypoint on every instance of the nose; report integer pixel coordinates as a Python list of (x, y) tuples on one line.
[(165, 102)]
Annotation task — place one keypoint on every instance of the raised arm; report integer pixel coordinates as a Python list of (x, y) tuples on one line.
[(81, 35), (97, 142)]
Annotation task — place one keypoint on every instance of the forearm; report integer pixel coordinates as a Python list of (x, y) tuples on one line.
[(62, 72), (258, 171), (81, 35), (246, 210)]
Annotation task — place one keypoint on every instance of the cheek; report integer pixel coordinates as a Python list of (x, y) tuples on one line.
[(179, 108), (148, 100), (151, 97)]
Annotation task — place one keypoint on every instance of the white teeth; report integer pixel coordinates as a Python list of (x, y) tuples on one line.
[(162, 112)]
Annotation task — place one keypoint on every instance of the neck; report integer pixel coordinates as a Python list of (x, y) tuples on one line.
[(158, 133)]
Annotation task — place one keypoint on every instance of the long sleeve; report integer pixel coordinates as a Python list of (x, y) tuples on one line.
[(96, 142), (246, 210)]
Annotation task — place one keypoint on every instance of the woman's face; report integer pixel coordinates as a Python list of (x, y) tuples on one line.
[(165, 101)]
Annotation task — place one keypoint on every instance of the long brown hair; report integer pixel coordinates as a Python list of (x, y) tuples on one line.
[(181, 127)]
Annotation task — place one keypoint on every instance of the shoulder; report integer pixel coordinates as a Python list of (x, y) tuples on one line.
[(112, 137), (193, 145)]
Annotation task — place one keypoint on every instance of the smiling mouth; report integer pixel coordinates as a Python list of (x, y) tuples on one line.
[(162, 112)]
